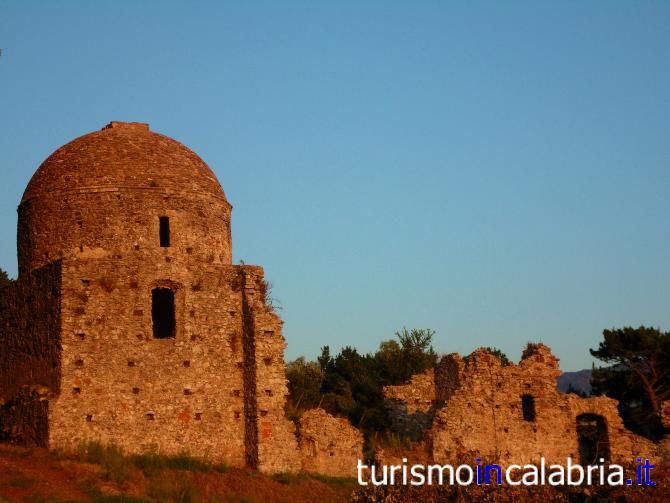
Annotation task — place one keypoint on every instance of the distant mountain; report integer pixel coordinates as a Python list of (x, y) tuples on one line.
[(580, 380)]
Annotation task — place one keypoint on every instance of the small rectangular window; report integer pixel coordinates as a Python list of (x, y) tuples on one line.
[(528, 407), (163, 313), (165, 231)]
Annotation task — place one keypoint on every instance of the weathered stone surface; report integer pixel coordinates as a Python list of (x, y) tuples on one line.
[(412, 406), (485, 415), (509, 414), (119, 218), (329, 445), (30, 355), (81, 322), (419, 454), (665, 414)]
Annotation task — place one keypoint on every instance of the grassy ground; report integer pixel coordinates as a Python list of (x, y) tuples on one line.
[(105, 475)]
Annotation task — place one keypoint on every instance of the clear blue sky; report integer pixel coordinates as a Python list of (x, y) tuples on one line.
[(498, 173)]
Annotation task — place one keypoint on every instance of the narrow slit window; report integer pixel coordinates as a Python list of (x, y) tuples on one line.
[(163, 313), (528, 407), (165, 231)]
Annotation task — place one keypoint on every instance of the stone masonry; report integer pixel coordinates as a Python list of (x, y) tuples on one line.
[(516, 414), (412, 406), (329, 445), (128, 323)]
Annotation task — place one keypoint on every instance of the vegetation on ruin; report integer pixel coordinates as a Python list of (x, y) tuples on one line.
[(5, 283), (350, 384), (504, 360)]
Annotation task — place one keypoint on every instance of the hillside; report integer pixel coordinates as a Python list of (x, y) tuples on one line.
[(580, 380), (106, 476)]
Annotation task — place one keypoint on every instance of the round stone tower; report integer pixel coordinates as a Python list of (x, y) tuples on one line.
[(124, 189)]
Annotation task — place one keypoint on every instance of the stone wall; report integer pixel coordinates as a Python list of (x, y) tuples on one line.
[(193, 393), (665, 419), (665, 414), (276, 446), (485, 415), (120, 384), (126, 216), (103, 193), (411, 406), (120, 216), (417, 454), (329, 445), (30, 355)]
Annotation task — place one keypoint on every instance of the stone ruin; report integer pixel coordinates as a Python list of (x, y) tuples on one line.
[(129, 324), (477, 407), (329, 445)]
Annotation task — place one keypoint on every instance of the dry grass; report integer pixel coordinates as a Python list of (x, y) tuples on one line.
[(104, 474)]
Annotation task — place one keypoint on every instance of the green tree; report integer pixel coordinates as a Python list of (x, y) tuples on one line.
[(416, 352), (504, 361), (5, 283), (353, 387), (304, 386), (325, 359), (638, 374), (4, 278), (352, 384)]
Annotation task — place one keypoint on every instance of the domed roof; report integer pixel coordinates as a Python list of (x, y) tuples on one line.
[(123, 155)]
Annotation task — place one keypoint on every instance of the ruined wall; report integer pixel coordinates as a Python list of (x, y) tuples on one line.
[(329, 445), (30, 355), (485, 414), (193, 393), (121, 384), (416, 454), (135, 216), (665, 442), (411, 406), (276, 445), (665, 414)]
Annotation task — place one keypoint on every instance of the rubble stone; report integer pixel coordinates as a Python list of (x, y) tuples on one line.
[(329, 445), (128, 323), (514, 413)]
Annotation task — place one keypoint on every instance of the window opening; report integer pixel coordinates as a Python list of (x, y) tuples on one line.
[(528, 407), (163, 313), (164, 231), (593, 440)]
